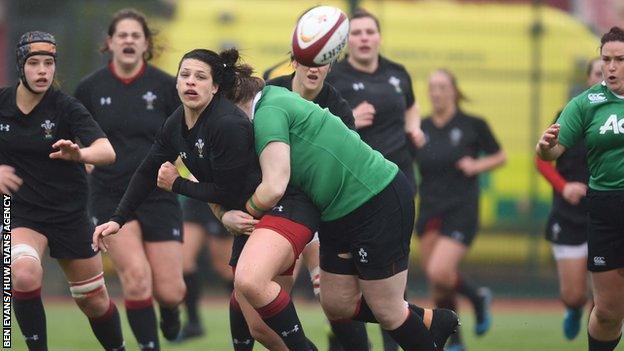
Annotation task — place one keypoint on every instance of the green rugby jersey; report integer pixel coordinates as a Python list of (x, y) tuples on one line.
[(329, 162), (597, 116)]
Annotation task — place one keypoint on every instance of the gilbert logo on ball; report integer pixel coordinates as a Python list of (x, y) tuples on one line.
[(320, 35)]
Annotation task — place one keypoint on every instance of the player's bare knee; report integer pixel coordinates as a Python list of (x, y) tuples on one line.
[(137, 282), (26, 270), (248, 284), (171, 294), (607, 317), (575, 298), (336, 307)]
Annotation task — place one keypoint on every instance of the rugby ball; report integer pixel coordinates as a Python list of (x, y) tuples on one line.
[(320, 35)]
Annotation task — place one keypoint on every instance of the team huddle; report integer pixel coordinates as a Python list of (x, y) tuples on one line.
[(315, 164)]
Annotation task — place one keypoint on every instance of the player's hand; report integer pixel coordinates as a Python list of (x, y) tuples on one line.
[(9, 181), (167, 174), (364, 114), (417, 137), (550, 138), (239, 222), (68, 151), (573, 192), (101, 232), (468, 165)]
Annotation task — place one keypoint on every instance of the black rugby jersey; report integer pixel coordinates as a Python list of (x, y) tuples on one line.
[(54, 191), (218, 151), (131, 116), (443, 184), (389, 89), (328, 98)]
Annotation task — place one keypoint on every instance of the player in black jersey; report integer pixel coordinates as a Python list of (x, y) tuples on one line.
[(309, 82), (42, 165), (449, 164), (387, 116), (214, 139), (131, 99), (566, 228)]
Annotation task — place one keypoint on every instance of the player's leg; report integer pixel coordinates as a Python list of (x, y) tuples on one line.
[(86, 280), (607, 317), (572, 270), (194, 237), (127, 253), (255, 272), (27, 249), (165, 258)]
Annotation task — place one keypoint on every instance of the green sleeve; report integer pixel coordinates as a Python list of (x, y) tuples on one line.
[(270, 124), (571, 121)]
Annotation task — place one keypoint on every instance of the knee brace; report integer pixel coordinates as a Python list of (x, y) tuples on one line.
[(87, 288), (315, 277), (24, 250)]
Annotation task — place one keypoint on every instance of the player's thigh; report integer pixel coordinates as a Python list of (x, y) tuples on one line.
[(445, 257), (340, 294), (165, 259), (126, 250), (194, 237)]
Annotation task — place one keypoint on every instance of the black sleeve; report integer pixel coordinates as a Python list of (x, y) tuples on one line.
[(233, 145), (81, 123), (340, 107), (143, 181), (82, 94), (486, 140), (227, 192), (408, 90)]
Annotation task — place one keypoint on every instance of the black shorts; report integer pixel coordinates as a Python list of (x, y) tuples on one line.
[(458, 221), (159, 216), (563, 231), (199, 212), (294, 206), (605, 237), (376, 234), (68, 240)]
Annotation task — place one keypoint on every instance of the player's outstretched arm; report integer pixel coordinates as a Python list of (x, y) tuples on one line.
[(548, 147)]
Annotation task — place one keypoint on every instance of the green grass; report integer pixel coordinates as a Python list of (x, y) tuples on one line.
[(527, 330)]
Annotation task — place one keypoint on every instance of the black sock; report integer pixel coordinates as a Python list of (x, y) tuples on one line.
[(170, 324), (413, 335), (142, 320), (107, 329), (363, 312), (351, 334), (31, 318), (281, 316), (193, 289), (450, 303), (388, 342), (467, 288), (241, 337), (597, 345)]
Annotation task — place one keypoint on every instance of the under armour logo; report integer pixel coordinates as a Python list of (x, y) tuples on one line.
[(293, 330), (176, 232), (457, 235), (244, 342), (105, 100), (149, 98), (183, 155), (147, 346), (278, 208), (358, 86), (4, 127), (200, 147), (363, 255), (33, 338)]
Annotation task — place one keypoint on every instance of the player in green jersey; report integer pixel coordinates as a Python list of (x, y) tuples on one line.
[(367, 216), (597, 117)]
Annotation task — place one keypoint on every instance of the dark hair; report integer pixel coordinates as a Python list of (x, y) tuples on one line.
[(614, 34), (459, 95), (590, 65), (361, 13), (233, 78), (147, 31)]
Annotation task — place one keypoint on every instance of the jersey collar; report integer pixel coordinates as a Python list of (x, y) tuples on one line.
[(129, 80), (253, 104)]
